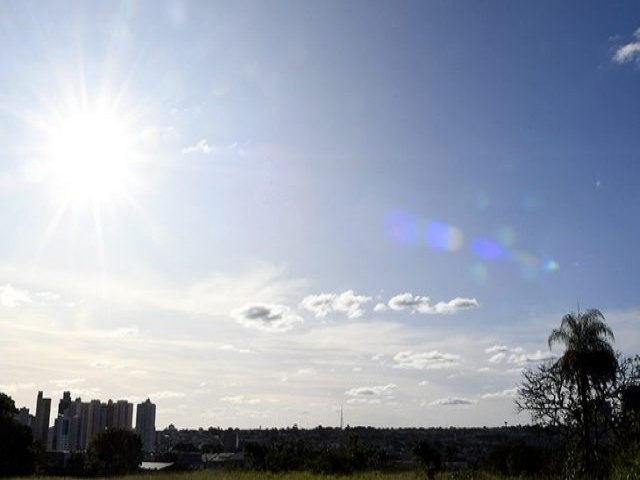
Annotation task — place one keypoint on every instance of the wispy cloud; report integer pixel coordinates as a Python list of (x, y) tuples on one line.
[(422, 304), (203, 146), (14, 387), (165, 394), (240, 400), (453, 402), (426, 360), (66, 382), (508, 393), (126, 332), (346, 302), (12, 297), (269, 318), (377, 390), (517, 355), (497, 349), (629, 52)]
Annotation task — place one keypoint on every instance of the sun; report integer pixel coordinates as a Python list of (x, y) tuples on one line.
[(89, 156)]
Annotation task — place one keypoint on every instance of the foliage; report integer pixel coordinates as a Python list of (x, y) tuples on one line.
[(279, 457), (115, 451), (16, 442), (583, 393), (428, 457), (519, 459), (7, 405)]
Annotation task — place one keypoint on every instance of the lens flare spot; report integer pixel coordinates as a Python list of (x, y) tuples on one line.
[(442, 236), (487, 249), (506, 236), (480, 273), (483, 202), (551, 266), (401, 226), (531, 201)]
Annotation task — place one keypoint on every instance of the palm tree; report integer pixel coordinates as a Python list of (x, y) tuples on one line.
[(588, 360)]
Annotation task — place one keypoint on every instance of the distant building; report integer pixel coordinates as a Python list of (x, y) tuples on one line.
[(120, 414), (65, 403), (43, 413), (146, 425), (90, 422), (230, 440)]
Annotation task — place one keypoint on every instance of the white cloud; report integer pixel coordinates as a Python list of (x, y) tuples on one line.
[(48, 296), (508, 393), (453, 402), (380, 307), (104, 365), (524, 358), (240, 400), (421, 304), (426, 360), (320, 305), (497, 349), (12, 297), (375, 391), (517, 355), (203, 146), (126, 332), (630, 51), (66, 382), (363, 401), (410, 301), (14, 387), (268, 318), (423, 383), (498, 357), (347, 302), (455, 305)]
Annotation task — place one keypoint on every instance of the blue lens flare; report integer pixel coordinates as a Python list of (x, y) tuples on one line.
[(401, 226), (487, 249), (442, 236), (405, 229)]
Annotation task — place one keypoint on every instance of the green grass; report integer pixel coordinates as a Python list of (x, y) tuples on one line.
[(249, 475)]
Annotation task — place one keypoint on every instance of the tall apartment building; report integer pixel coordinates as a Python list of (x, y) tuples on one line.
[(91, 422), (78, 422), (120, 414), (64, 403), (43, 413), (146, 425)]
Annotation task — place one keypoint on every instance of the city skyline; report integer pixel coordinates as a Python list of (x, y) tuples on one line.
[(268, 213), (77, 422)]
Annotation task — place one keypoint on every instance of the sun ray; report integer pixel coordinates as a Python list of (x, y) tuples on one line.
[(51, 228), (97, 222)]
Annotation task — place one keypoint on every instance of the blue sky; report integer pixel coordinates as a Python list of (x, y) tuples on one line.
[(257, 212)]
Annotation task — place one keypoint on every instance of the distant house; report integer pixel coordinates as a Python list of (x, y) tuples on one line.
[(155, 466)]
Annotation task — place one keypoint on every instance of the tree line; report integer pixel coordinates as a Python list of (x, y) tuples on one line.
[(589, 396), (112, 452)]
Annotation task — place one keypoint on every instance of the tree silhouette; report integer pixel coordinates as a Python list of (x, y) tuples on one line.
[(16, 452), (115, 451), (588, 361)]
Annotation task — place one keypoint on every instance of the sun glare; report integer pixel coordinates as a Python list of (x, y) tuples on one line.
[(89, 156)]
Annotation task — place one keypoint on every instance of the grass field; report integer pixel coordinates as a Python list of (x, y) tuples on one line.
[(221, 475)]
